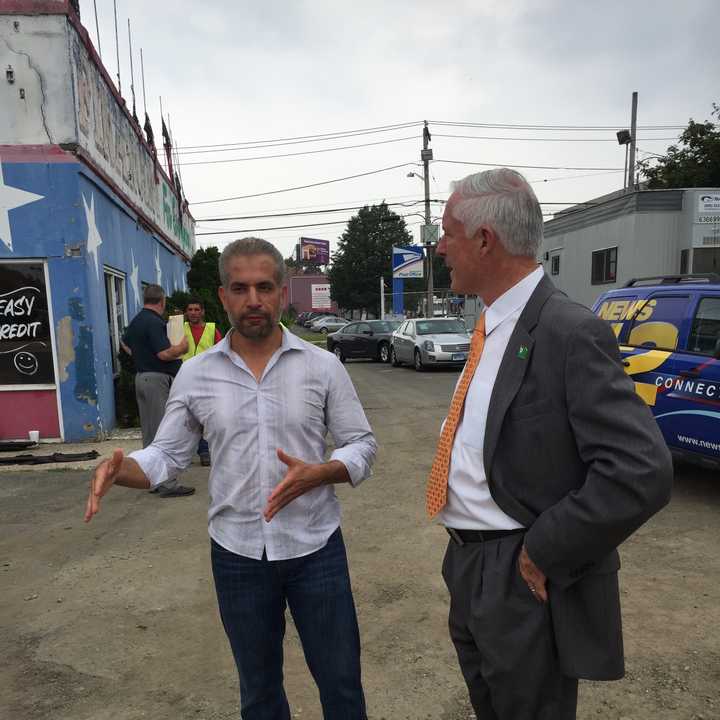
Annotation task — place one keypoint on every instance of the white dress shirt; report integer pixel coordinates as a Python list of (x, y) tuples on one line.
[(303, 393), (470, 505)]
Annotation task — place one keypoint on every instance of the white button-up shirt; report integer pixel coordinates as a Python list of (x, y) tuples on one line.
[(470, 505), (303, 394)]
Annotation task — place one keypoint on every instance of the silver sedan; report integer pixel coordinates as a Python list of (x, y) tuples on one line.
[(424, 342)]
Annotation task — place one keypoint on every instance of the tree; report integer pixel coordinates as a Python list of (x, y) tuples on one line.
[(694, 163), (364, 254), (203, 280)]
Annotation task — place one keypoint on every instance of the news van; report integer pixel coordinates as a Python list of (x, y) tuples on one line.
[(668, 330)]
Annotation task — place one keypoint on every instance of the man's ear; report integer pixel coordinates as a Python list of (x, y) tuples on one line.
[(221, 295), (486, 238)]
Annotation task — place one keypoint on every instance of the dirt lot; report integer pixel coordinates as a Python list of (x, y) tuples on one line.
[(117, 619)]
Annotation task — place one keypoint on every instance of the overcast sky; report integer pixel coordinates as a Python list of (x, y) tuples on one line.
[(238, 71)]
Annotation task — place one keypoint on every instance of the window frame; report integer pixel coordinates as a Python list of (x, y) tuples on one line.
[(691, 331), (110, 278), (607, 264)]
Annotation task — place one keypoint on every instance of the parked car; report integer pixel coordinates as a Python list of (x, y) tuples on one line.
[(313, 316), (430, 341), (668, 329), (328, 324), (366, 339)]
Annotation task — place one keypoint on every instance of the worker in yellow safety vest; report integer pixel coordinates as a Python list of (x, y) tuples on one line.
[(200, 336)]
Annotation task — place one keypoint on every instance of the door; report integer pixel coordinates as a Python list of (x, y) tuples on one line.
[(695, 422), (363, 341), (649, 346)]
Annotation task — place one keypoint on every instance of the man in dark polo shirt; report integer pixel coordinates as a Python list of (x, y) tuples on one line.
[(157, 362)]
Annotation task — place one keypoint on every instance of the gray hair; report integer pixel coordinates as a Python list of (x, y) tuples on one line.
[(245, 247), (504, 199), (153, 295)]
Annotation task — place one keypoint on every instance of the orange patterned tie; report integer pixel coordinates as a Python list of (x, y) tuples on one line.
[(436, 494)]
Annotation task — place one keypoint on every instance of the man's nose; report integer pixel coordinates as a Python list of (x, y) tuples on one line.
[(253, 297), (441, 246)]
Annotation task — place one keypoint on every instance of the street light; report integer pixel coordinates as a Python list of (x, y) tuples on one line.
[(624, 138), (417, 175)]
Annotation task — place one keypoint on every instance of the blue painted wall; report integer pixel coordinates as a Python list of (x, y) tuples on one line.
[(80, 225)]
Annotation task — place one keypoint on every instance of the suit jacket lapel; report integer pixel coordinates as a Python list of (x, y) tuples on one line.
[(513, 368)]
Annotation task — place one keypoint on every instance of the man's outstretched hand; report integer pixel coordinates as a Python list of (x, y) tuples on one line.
[(102, 480), (299, 478)]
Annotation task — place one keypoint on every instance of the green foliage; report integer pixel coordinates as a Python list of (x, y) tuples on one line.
[(203, 279), (364, 254), (694, 163)]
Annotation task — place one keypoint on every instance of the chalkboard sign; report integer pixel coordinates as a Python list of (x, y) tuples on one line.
[(26, 356)]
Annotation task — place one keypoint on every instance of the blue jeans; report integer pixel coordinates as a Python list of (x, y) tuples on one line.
[(252, 596), (203, 446)]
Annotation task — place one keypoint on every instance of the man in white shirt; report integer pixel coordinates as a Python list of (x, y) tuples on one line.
[(266, 400), (547, 461)]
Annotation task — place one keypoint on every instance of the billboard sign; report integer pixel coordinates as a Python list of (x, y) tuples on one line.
[(320, 296), (407, 262), (315, 252)]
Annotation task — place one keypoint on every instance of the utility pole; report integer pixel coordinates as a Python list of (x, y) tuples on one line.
[(426, 156), (633, 138)]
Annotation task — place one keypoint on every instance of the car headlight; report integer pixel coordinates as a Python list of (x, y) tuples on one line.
[(429, 345)]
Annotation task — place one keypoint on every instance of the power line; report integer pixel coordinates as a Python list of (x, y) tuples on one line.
[(310, 212), (265, 229), (544, 139), (314, 138), (612, 128), (304, 152), (533, 167), (304, 187)]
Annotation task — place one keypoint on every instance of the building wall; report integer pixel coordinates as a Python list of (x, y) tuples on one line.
[(300, 294), (81, 228), (38, 105), (649, 230), (97, 205)]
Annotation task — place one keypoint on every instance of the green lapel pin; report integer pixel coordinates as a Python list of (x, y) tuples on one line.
[(523, 352)]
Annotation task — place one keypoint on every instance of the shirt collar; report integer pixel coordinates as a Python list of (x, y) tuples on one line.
[(512, 300), (290, 341)]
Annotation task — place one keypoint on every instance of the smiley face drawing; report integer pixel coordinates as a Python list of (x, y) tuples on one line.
[(26, 363)]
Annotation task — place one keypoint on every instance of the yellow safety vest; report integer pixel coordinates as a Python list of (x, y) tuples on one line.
[(207, 340)]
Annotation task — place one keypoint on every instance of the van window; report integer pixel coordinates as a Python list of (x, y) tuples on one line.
[(705, 333), (657, 324)]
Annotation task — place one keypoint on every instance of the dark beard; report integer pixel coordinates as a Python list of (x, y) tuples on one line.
[(252, 332)]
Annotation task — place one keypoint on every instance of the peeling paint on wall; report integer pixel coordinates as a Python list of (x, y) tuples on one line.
[(65, 349), (85, 384)]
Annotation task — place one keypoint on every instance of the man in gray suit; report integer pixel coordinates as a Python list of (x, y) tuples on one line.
[(552, 463)]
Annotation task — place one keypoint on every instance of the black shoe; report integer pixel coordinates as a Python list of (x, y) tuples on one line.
[(205, 459), (154, 491), (177, 491)]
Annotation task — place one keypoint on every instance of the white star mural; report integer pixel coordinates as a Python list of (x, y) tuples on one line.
[(11, 198), (135, 279), (94, 241), (158, 269)]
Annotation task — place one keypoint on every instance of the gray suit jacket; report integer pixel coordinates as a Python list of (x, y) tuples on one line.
[(574, 454)]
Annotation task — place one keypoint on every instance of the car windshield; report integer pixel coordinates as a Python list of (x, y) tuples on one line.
[(384, 326), (438, 327)]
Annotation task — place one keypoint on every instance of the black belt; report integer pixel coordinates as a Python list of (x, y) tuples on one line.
[(461, 537)]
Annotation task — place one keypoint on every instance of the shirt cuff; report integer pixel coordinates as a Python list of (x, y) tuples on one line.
[(357, 469), (152, 463)]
